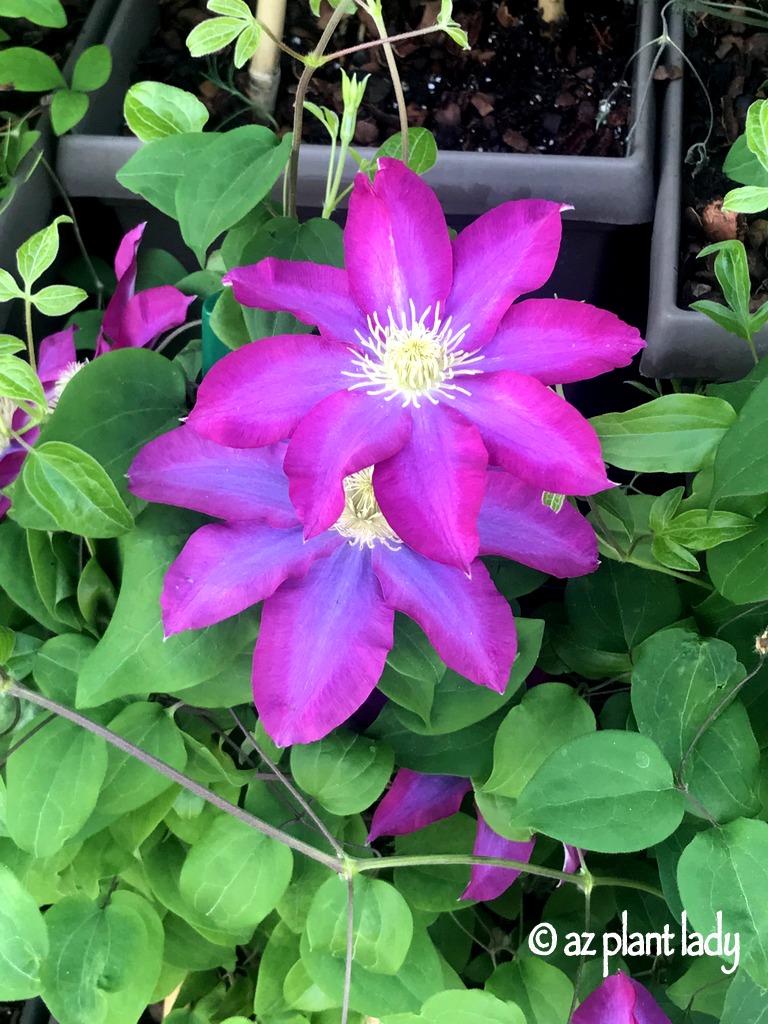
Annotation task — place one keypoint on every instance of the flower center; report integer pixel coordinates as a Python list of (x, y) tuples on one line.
[(413, 358), (68, 373), (362, 521)]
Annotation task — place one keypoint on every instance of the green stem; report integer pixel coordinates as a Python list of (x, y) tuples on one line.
[(298, 109), (396, 83), (464, 860), (28, 328)]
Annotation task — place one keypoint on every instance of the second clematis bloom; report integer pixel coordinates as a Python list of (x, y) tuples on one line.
[(425, 368), (620, 1000), (329, 602)]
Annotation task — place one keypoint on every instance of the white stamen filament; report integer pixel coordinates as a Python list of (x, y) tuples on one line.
[(412, 359), (7, 409), (362, 521), (69, 372)]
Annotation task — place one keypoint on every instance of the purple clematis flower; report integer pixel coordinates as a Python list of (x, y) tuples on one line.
[(131, 320), (620, 1000), (329, 602), (425, 367), (414, 801)]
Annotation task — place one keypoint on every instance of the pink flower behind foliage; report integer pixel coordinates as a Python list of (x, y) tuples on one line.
[(426, 366), (620, 1000), (329, 601)]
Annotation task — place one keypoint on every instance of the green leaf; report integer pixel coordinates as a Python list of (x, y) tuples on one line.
[(110, 409), (96, 596), (92, 69), (53, 783), (757, 131), (672, 434), (664, 508), (212, 35), (382, 928), (747, 199), (609, 791), (8, 287), (235, 875), (17, 577), (741, 463), (413, 669), (742, 165), (723, 316), (48, 13), (20, 383), (422, 149), (738, 568), (75, 491), (548, 716), (435, 888), (68, 108), (247, 43), (28, 70), (542, 992), (131, 657), (678, 680), (57, 663), (222, 184), (674, 555), (39, 251), (128, 783), (745, 1000), (58, 299), (155, 110), (23, 939), (154, 172), (732, 272), (470, 1007), (345, 772), (725, 870), (104, 960), (700, 531)]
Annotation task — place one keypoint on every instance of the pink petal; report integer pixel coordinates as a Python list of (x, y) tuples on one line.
[(259, 393), (414, 801), (514, 522), (486, 881), (531, 431), (571, 859), (227, 567), (322, 645), (430, 492), (149, 314), (56, 352), (468, 622), (183, 469), (505, 253), (396, 243), (5, 504), (558, 341), (314, 293), (343, 434), (620, 1000), (126, 268), (10, 466), (125, 257)]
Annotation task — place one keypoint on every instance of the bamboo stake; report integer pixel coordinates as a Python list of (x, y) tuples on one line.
[(264, 69)]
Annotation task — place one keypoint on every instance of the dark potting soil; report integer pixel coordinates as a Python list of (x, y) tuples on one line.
[(517, 90), (732, 60)]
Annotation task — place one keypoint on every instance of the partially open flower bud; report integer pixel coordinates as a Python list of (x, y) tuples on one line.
[(761, 643)]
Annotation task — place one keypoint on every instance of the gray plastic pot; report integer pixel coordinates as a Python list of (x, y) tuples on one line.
[(682, 342), (31, 207), (605, 192)]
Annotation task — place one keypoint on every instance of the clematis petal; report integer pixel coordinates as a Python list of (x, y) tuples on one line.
[(514, 522), (126, 268), (468, 622), (505, 253), (149, 314), (227, 567), (314, 293), (620, 1000), (558, 341), (531, 431), (322, 646), (343, 434), (183, 469), (430, 492), (486, 881), (396, 243), (571, 859), (414, 801), (56, 353), (126, 255), (259, 393)]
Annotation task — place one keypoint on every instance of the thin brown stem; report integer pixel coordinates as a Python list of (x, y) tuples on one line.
[(399, 38), (349, 951), (396, 83)]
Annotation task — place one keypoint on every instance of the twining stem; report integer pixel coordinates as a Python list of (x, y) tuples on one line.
[(298, 109), (715, 713), (401, 37), (344, 865), (395, 76), (349, 951)]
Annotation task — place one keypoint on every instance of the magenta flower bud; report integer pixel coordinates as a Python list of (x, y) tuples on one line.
[(620, 1000), (414, 801)]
